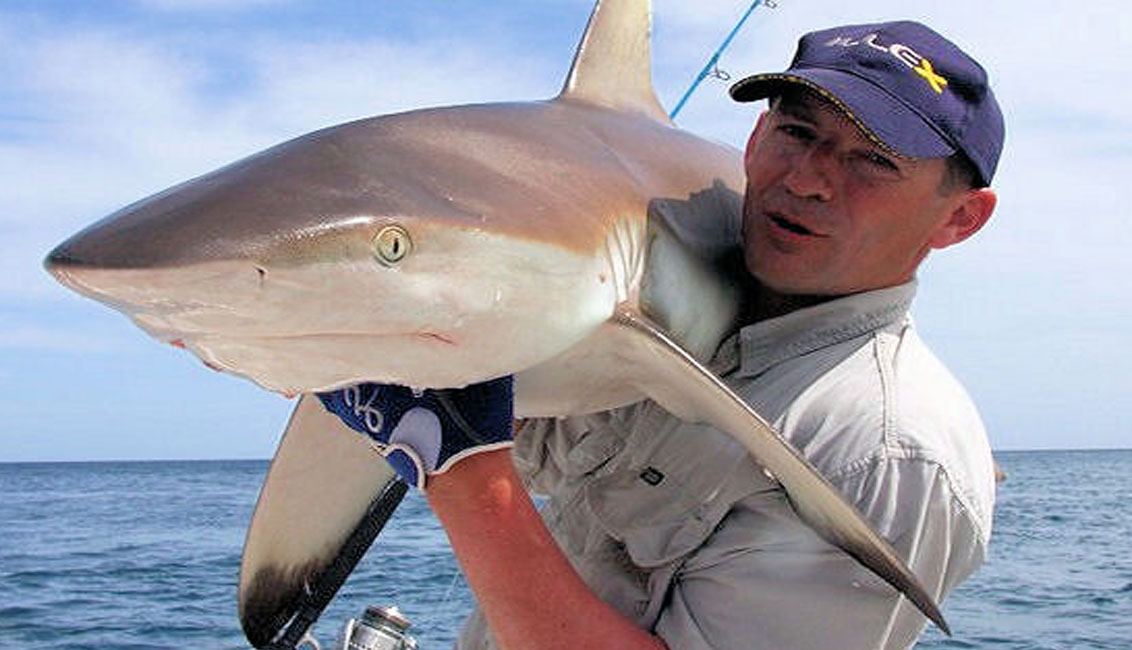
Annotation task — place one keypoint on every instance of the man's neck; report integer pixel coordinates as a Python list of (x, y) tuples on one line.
[(768, 303)]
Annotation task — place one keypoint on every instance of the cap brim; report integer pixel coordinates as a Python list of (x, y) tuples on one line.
[(880, 116)]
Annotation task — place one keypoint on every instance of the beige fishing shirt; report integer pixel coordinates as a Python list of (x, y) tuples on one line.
[(678, 529)]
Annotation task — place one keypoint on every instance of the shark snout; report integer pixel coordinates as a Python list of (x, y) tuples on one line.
[(61, 258), (79, 273), (174, 299)]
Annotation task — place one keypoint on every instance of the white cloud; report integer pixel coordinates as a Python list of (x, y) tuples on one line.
[(299, 84)]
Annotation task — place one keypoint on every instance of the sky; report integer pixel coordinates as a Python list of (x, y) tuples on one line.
[(107, 101)]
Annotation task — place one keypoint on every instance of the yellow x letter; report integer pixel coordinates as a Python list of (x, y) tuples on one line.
[(927, 72)]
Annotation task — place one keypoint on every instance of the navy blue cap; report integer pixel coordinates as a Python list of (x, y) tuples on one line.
[(905, 86)]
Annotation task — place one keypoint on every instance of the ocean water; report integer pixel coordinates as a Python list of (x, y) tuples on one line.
[(145, 555)]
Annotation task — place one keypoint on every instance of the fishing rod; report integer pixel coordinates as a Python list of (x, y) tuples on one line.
[(711, 67)]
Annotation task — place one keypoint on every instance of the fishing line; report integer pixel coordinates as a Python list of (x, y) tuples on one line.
[(712, 67)]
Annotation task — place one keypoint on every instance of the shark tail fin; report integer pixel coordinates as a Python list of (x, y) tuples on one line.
[(612, 66)]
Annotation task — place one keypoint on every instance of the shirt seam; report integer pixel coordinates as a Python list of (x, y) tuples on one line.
[(896, 452)]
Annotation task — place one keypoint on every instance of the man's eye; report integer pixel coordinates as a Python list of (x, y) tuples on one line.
[(797, 131), (877, 160)]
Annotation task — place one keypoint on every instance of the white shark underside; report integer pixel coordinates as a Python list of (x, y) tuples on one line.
[(577, 243)]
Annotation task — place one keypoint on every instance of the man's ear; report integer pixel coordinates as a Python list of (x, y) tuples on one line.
[(970, 212)]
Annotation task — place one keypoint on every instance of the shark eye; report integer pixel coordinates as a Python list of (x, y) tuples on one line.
[(392, 244)]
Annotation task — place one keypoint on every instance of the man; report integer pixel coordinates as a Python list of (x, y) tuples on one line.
[(878, 146)]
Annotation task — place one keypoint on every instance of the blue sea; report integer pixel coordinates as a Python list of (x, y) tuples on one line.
[(138, 555)]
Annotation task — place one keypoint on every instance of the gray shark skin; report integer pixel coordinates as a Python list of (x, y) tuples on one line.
[(578, 243)]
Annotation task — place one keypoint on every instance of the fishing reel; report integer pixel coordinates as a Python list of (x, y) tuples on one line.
[(380, 628)]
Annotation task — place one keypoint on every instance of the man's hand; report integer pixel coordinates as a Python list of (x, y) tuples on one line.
[(427, 432)]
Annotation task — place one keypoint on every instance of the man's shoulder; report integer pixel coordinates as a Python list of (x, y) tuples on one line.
[(894, 401)]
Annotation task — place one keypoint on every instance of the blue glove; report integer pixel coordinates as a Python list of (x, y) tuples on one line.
[(428, 432)]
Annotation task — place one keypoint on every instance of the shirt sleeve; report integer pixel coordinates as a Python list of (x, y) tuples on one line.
[(765, 580)]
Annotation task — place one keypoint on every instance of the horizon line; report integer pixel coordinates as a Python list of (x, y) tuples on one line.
[(268, 460)]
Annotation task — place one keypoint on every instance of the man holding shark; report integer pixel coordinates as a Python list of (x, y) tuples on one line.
[(571, 262), (878, 146)]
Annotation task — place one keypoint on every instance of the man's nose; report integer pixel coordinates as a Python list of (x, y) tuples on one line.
[(809, 175)]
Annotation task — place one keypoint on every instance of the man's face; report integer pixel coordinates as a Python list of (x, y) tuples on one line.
[(828, 212)]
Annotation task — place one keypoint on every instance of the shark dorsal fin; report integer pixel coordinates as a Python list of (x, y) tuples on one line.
[(612, 67)]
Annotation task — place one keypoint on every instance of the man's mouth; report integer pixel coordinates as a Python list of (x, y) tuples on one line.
[(790, 226)]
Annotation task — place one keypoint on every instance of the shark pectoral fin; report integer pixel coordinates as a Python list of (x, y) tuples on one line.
[(325, 498), (674, 379), (683, 290)]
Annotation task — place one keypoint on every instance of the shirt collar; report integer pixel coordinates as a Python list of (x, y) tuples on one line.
[(762, 345)]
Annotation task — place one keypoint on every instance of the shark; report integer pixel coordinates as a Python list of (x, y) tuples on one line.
[(584, 244)]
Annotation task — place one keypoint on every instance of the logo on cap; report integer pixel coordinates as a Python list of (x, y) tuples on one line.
[(904, 53)]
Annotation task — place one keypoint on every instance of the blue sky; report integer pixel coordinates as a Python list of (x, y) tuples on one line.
[(104, 102)]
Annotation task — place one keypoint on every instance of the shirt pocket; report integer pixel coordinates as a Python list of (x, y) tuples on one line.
[(665, 504), (656, 523), (552, 454)]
